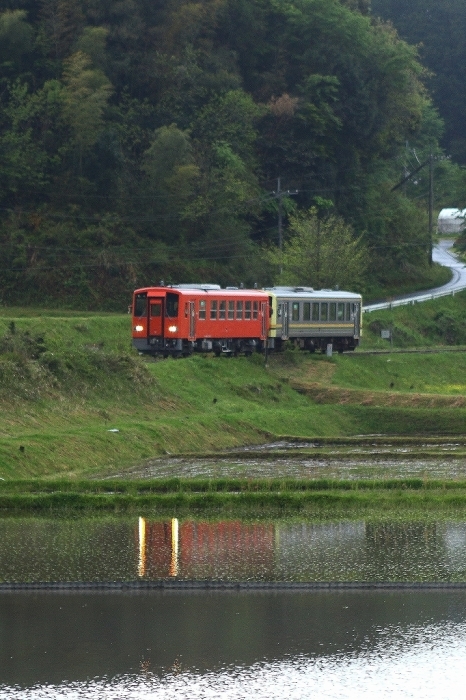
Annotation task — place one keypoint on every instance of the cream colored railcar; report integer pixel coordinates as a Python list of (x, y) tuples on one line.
[(314, 319)]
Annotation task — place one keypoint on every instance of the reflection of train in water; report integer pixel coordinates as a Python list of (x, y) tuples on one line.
[(199, 550), (182, 319)]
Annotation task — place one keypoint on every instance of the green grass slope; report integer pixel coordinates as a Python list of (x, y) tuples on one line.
[(75, 400)]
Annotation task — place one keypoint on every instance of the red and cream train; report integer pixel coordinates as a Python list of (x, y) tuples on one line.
[(181, 319)]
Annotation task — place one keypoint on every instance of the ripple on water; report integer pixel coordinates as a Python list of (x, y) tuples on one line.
[(426, 663)]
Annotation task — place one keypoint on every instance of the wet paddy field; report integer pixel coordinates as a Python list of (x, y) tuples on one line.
[(190, 549), (238, 607), (376, 459)]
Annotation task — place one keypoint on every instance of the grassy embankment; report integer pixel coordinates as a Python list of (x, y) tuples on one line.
[(314, 498), (67, 380)]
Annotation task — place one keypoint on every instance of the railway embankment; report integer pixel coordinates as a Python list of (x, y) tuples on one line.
[(76, 401)]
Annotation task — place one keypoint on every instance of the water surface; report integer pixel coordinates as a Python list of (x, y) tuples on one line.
[(131, 549), (232, 645)]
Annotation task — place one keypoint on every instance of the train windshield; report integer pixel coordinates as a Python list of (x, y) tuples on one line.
[(140, 304), (171, 305)]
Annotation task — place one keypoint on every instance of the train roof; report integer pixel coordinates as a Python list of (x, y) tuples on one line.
[(212, 289), (285, 292)]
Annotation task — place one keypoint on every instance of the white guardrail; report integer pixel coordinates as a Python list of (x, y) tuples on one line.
[(456, 284)]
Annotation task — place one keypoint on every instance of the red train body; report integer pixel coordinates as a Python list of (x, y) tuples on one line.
[(180, 320)]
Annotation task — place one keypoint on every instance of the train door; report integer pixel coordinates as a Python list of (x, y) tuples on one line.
[(156, 317), (284, 318), (264, 317), (192, 321), (357, 319)]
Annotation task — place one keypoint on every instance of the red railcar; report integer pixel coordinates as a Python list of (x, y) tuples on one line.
[(182, 319)]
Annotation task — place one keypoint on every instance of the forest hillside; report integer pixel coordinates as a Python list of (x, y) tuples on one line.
[(145, 140)]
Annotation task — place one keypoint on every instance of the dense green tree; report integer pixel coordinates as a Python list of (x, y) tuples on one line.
[(438, 28), (320, 252), (16, 38), (143, 139), (85, 96)]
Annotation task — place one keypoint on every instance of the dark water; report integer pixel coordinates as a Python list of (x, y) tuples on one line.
[(130, 549), (232, 645)]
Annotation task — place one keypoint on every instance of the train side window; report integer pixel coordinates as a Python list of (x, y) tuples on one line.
[(333, 311), (171, 305), (340, 311), (255, 309), (270, 307), (213, 310), (202, 309), (231, 310), (315, 311), (324, 311), (222, 312), (247, 310), (239, 310), (295, 311), (348, 311), (306, 311), (140, 305)]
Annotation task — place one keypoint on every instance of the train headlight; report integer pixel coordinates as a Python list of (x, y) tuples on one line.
[(138, 329), (172, 329)]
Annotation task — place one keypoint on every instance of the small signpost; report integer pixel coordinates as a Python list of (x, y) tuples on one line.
[(387, 334)]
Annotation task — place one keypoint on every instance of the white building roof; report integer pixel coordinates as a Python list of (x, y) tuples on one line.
[(451, 220)]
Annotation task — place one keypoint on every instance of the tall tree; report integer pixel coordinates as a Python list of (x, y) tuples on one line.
[(86, 93)]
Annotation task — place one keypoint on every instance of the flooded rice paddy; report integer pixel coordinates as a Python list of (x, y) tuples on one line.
[(233, 646), (238, 644), (149, 549), (433, 460)]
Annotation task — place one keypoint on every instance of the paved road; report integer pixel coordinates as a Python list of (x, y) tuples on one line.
[(441, 254)]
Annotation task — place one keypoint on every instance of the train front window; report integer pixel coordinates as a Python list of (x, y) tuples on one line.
[(295, 311), (171, 305), (140, 305)]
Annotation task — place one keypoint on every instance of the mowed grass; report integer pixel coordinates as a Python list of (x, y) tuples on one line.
[(88, 405)]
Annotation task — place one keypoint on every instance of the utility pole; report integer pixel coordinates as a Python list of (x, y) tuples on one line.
[(430, 163), (280, 219), (431, 206), (279, 194)]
